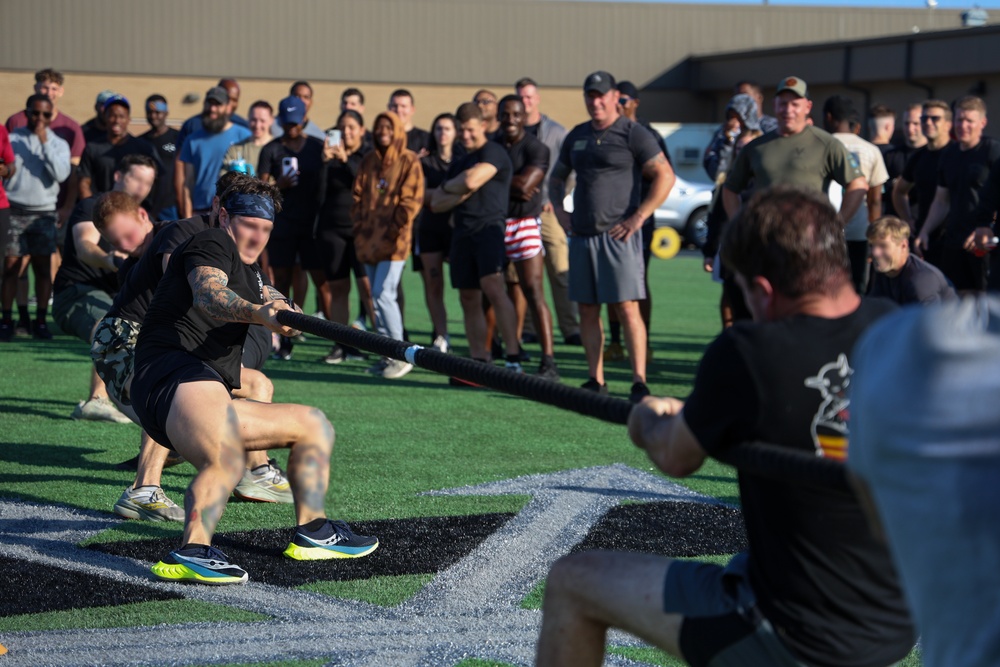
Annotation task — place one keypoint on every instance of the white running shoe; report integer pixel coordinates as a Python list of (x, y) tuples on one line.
[(264, 484), (148, 503)]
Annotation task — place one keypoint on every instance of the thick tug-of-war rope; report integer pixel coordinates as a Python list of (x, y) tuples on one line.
[(766, 460)]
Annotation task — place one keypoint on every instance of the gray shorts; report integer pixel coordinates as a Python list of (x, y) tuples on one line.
[(113, 352), (722, 625), (31, 233), (77, 308), (603, 270)]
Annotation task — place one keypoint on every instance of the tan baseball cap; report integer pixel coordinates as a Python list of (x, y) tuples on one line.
[(793, 84)]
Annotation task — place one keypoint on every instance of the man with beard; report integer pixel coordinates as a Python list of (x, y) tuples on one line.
[(202, 153), (101, 157), (193, 124)]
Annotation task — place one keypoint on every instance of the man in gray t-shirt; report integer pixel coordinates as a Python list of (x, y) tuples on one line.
[(605, 249)]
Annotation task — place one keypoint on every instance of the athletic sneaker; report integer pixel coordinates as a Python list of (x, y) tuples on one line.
[(614, 353), (639, 392), (336, 356), (202, 564), (595, 386), (264, 484), (547, 370), (378, 368), (6, 332), (22, 329), (148, 503), (354, 354), (513, 366), (284, 352), (99, 410), (396, 369), (359, 324), (441, 344), (329, 539), (41, 331)]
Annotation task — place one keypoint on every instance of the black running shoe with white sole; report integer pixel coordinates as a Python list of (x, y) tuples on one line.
[(327, 540)]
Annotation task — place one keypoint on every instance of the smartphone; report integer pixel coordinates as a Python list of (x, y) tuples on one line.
[(333, 137), (289, 166)]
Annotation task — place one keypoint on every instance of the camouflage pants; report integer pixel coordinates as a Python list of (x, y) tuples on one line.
[(113, 352)]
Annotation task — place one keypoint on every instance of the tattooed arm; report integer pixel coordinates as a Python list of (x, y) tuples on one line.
[(211, 293)]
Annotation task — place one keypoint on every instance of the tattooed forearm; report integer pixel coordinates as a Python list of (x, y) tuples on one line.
[(209, 287)]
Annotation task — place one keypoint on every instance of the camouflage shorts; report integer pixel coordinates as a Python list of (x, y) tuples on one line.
[(113, 352)]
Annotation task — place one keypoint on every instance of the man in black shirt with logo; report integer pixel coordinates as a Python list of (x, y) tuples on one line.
[(164, 139), (963, 170), (100, 158), (477, 191), (187, 365), (529, 159), (816, 586)]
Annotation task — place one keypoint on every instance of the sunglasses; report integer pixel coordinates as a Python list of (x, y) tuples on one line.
[(624, 99), (36, 112), (933, 119)]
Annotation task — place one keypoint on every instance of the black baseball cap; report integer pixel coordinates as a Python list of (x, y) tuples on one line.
[(600, 81), (628, 89), (217, 94)]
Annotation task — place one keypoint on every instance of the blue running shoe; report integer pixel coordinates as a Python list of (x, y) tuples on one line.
[(333, 539), (202, 564)]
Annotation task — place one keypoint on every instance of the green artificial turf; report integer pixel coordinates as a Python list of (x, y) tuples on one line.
[(129, 615), (386, 591)]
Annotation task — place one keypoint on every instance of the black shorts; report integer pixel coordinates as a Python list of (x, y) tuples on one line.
[(4, 226), (477, 255), (433, 238), (154, 384), (648, 228), (289, 243), (257, 347), (336, 247)]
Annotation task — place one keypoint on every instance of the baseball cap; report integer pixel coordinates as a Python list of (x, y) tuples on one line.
[(116, 99), (600, 81), (793, 84), (291, 111), (218, 95), (103, 96), (628, 89)]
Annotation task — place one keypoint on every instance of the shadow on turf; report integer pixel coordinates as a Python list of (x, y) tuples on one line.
[(16, 405)]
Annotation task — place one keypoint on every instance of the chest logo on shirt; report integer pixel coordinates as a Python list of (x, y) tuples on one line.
[(829, 425), (580, 145)]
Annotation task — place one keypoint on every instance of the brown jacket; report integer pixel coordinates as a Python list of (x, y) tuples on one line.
[(388, 195)]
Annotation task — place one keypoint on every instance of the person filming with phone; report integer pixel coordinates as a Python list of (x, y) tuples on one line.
[(294, 163)]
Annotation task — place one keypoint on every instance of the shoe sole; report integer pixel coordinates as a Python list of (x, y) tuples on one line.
[(295, 552), (266, 497), (184, 574), (396, 376), (141, 514), (333, 362)]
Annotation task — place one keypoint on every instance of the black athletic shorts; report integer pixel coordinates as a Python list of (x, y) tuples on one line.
[(257, 347), (433, 238), (648, 228), (477, 255), (5, 227), (336, 247), (289, 242), (155, 383)]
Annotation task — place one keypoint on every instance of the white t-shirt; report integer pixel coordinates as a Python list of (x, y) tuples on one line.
[(872, 166)]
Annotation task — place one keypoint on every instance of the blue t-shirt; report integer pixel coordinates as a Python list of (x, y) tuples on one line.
[(193, 124), (205, 152)]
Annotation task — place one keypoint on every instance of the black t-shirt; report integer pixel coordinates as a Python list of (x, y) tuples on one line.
[(92, 133), (488, 205), (917, 282), (101, 158), (73, 271), (895, 157), (418, 140), (435, 173), (140, 281), (820, 576), (300, 203), (964, 173), (529, 152), (922, 171), (533, 129), (173, 322), (166, 149), (338, 191), (608, 165)]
